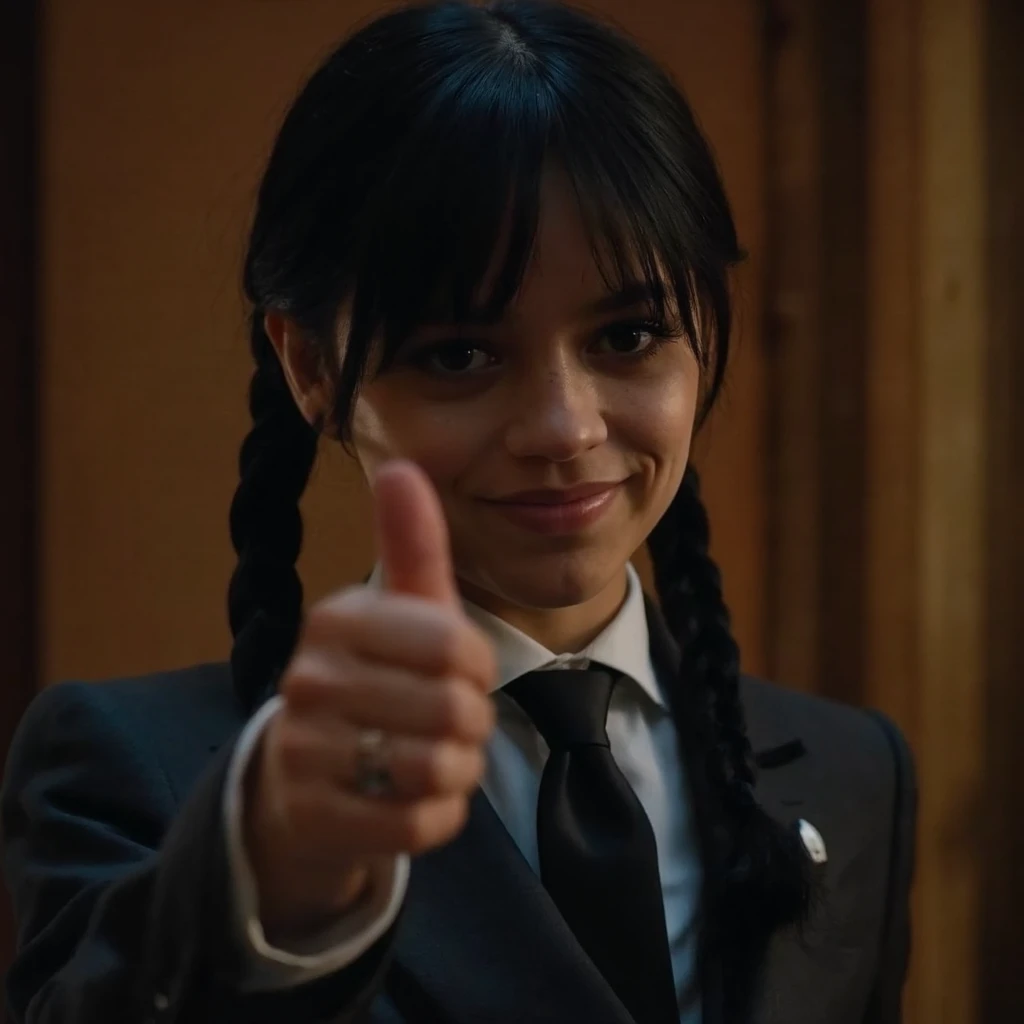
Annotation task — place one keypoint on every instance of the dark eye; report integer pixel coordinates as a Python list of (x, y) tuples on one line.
[(631, 339), (455, 357)]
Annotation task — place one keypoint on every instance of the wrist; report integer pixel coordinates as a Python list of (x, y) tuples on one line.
[(294, 898), (287, 922)]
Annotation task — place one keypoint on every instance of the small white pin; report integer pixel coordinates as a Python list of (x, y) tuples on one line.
[(813, 842)]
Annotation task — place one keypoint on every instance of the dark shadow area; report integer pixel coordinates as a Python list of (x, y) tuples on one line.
[(18, 387)]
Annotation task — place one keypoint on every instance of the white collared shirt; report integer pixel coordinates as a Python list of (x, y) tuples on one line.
[(645, 747)]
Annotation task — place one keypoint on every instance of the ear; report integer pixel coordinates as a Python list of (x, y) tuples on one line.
[(304, 370)]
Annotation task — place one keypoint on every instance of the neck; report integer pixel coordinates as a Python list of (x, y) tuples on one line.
[(561, 630)]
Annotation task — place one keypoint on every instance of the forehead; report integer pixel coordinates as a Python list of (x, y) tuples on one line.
[(563, 269), (562, 248)]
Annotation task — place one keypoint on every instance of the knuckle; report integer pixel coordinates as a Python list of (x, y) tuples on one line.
[(306, 678), (318, 682), (454, 706), (488, 717), (456, 815), (339, 612), (438, 767), (448, 645), (350, 600), (464, 768), (414, 828), (431, 822)]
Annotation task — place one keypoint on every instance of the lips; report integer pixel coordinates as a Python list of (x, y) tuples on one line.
[(558, 496), (562, 511)]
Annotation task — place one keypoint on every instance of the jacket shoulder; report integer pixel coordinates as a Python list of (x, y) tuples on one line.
[(857, 752), (176, 719), (199, 690), (776, 715), (852, 775)]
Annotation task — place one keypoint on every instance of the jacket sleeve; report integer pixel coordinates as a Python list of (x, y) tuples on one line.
[(122, 900), (313, 955), (885, 1004)]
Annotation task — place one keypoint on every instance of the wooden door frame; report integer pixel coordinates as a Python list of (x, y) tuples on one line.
[(897, 556), (1001, 996), (815, 63)]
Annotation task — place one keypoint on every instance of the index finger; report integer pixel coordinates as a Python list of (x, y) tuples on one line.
[(405, 631)]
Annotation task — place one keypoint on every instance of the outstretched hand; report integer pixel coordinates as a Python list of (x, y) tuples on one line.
[(403, 660)]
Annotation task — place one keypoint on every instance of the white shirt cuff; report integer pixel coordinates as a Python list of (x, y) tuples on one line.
[(324, 952)]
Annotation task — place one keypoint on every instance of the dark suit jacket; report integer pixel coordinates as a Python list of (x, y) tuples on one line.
[(115, 855)]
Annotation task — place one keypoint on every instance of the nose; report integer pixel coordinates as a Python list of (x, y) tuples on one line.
[(557, 416)]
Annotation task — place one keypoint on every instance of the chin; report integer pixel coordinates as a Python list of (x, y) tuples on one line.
[(556, 580)]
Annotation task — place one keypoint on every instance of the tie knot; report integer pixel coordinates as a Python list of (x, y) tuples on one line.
[(568, 706)]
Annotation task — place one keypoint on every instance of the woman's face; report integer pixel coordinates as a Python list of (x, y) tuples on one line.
[(556, 438)]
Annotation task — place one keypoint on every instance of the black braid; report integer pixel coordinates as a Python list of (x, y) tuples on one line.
[(758, 874), (265, 596)]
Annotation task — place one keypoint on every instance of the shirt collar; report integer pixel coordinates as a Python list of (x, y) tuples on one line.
[(623, 645)]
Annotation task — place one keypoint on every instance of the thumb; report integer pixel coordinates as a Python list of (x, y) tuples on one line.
[(412, 535)]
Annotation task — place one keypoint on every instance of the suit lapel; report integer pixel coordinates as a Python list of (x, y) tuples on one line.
[(480, 937)]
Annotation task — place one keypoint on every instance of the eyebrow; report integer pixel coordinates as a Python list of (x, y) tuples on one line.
[(636, 294)]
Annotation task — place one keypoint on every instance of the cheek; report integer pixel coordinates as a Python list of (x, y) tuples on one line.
[(386, 426), (658, 418)]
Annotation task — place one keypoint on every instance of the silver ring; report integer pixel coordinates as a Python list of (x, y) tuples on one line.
[(373, 776)]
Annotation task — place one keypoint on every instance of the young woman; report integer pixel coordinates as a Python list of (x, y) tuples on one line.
[(495, 783)]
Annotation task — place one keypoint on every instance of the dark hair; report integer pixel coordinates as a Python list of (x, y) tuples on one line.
[(412, 156)]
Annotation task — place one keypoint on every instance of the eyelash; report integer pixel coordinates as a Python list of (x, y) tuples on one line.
[(659, 332)]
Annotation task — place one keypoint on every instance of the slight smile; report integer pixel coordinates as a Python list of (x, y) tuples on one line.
[(557, 512)]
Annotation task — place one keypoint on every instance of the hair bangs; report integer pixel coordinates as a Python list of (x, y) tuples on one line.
[(447, 233), (636, 248), (648, 222)]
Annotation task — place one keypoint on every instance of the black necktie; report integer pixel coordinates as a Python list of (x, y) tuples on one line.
[(598, 858)]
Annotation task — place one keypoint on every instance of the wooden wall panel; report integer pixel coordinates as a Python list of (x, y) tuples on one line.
[(815, 325), (792, 317), (842, 465), (929, 448), (893, 436), (1001, 995), (893, 653), (936, 393), (157, 119)]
